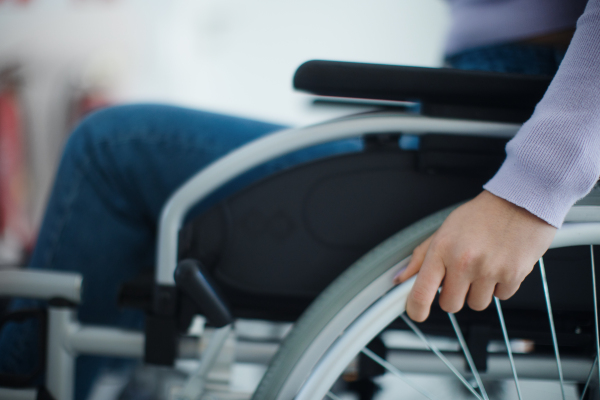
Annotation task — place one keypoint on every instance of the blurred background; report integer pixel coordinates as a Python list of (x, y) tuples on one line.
[(61, 59)]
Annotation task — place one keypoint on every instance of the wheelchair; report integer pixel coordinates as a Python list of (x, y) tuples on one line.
[(318, 244)]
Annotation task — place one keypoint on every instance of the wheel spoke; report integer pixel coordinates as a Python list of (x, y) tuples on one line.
[(589, 378), (508, 349), (595, 306), (465, 349), (552, 327), (438, 353), (395, 371)]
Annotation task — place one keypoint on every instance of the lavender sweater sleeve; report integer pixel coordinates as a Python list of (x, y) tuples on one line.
[(554, 159)]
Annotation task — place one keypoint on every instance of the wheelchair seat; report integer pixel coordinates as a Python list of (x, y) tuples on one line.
[(274, 246)]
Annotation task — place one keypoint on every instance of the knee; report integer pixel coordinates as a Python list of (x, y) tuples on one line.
[(102, 129), (106, 125)]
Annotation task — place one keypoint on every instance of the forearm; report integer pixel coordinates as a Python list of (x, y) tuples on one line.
[(555, 158)]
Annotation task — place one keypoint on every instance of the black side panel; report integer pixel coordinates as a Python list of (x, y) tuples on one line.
[(274, 246)]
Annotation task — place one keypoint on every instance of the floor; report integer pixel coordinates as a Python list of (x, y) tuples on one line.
[(153, 383), (111, 387)]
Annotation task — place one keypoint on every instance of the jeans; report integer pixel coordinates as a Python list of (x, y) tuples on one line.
[(119, 167), (516, 58)]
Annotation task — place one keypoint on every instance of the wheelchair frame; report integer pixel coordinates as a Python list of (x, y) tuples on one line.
[(67, 338)]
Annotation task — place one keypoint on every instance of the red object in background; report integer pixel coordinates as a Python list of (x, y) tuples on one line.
[(85, 102), (89, 102), (19, 1), (14, 220), (23, 1)]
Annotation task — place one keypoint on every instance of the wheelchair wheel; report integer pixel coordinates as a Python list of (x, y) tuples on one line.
[(363, 302)]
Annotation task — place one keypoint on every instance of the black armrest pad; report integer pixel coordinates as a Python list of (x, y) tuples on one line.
[(437, 86)]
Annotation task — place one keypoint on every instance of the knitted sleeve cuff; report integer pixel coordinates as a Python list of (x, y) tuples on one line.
[(513, 183)]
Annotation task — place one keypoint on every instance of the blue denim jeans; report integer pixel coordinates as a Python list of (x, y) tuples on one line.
[(517, 58), (118, 168)]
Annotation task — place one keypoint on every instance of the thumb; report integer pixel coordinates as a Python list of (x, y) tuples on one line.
[(425, 288), (416, 261)]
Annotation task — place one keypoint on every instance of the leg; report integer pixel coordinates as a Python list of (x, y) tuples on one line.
[(517, 58), (118, 168)]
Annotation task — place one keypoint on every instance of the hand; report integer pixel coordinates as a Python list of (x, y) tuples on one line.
[(484, 248)]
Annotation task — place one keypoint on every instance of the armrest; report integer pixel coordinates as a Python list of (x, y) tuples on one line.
[(441, 91)]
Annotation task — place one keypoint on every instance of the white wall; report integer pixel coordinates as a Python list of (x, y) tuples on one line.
[(58, 43), (234, 56), (240, 55)]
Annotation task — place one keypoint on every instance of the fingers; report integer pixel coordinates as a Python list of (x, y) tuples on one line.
[(425, 288), (454, 292), (504, 291), (415, 263), (481, 294)]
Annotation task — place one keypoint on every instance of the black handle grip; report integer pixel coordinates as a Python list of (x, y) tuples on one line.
[(191, 278)]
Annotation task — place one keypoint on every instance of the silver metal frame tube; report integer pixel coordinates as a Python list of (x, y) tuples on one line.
[(60, 361), (105, 341), (43, 285), (194, 387), (18, 394), (571, 234), (284, 142), (67, 339), (529, 366)]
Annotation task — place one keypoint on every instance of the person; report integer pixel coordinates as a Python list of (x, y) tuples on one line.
[(121, 164), (488, 246)]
